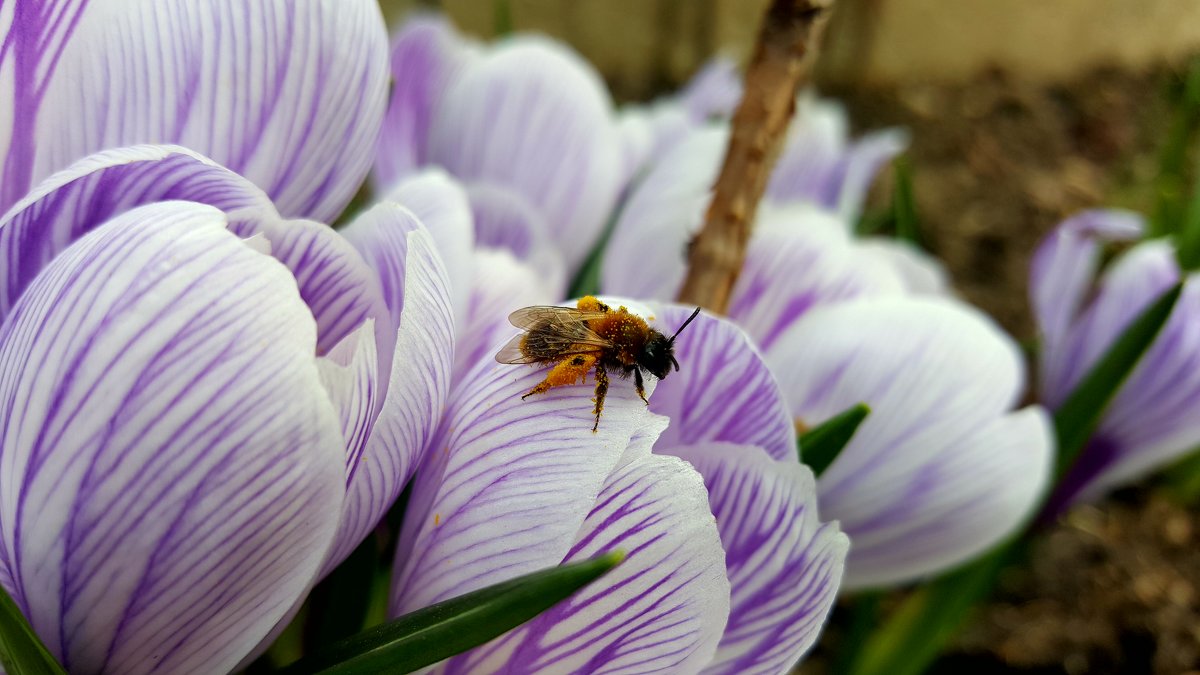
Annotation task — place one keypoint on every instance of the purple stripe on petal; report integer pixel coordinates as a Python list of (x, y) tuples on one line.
[(506, 220), (289, 93), (723, 390), (940, 378), (800, 258), (535, 118), (662, 610), (172, 465), (1061, 275), (784, 565), (507, 482), (418, 385), (70, 203), (32, 38)]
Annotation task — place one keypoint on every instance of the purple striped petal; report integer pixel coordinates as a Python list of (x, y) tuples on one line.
[(72, 202), (660, 216), (534, 117), (508, 483), (785, 566), (800, 258), (441, 204), (172, 464), (506, 220), (288, 93), (723, 390), (663, 610), (338, 286), (416, 387), (819, 166), (1062, 274), (426, 55), (502, 285), (649, 132), (940, 470), (1152, 420)]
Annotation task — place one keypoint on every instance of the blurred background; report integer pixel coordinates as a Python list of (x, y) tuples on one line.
[(1021, 112)]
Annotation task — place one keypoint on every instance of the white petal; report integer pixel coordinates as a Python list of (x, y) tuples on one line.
[(171, 464), (289, 93), (662, 610)]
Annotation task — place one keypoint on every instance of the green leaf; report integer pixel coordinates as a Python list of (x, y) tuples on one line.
[(905, 205), (1188, 240), (822, 444), (1080, 412), (916, 632), (440, 631), (21, 652)]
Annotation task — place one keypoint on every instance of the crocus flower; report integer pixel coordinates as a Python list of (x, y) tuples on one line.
[(525, 125), (942, 468), (512, 486), (1080, 312), (207, 404)]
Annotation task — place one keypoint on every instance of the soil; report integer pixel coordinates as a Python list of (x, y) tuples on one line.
[(997, 162)]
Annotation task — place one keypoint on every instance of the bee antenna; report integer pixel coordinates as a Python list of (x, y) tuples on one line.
[(675, 362), (685, 323)]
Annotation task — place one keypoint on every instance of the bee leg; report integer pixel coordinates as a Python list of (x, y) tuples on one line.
[(601, 392), (570, 370), (640, 385)]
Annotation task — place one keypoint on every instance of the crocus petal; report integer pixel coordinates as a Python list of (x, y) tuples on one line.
[(939, 471), (723, 390), (534, 117), (508, 482), (502, 285), (920, 273), (426, 55), (506, 220), (799, 258), (1152, 418), (417, 387), (172, 465), (662, 213), (784, 565), (859, 166), (662, 610), (1061, 276), (288, 93), (815, 144), (714, 91), (441, 204), (70, 203)]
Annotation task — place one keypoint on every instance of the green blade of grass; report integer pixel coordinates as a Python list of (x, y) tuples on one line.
[(821, 445), (21, 652)]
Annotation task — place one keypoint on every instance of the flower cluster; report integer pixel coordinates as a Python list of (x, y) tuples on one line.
[(211, 396)]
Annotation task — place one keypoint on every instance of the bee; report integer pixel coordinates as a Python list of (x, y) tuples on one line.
[(590, 336)]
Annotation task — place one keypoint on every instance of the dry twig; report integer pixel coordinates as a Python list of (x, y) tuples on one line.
[(786, 44)]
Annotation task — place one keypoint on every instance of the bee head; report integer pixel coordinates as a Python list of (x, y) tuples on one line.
[(658, 355)]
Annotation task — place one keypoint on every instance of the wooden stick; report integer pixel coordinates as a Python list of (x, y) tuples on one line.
[(787, 42)]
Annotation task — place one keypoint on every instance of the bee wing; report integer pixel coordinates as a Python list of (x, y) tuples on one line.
[(511, 352), (529, 317), (558, 331)]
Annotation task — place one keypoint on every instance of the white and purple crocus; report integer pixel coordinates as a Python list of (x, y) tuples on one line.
[(1080, 311), (210, 397)]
